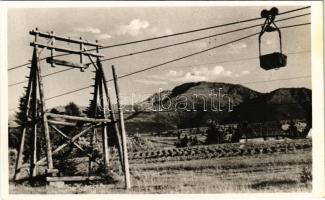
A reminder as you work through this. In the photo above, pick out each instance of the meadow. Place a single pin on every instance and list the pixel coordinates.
(238, 170)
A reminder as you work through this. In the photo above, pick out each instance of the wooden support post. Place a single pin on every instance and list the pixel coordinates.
(81, 49)
(53, 45)
(33, 141)
(33, 144)
(110, 107)
(124, 138)
(19, 161)
(92, 139)
(104, 131)
(103, 82)
(93, 114)
(99, 68)
(45, 122)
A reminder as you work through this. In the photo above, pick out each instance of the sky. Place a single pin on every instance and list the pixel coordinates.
(124, 24)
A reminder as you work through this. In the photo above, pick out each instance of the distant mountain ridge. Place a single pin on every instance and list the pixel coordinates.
(195, 92)
(283, 103)
(246, 105)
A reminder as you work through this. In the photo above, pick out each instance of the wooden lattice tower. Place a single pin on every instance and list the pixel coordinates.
(39, 119)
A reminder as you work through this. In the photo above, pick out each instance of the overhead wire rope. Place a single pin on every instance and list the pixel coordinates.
(194, 40)
(193, 65)
(174, 60)
(171, 45)
(169, 35)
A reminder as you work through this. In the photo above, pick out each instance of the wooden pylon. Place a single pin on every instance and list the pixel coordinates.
(37, 117)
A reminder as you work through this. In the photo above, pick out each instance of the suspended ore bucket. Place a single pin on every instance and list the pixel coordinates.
(273, 60)
(277, 59)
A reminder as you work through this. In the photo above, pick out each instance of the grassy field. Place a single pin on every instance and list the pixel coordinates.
(270, 172)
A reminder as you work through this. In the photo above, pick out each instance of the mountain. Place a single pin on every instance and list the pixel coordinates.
(194, 104)
(189, 105)
(280, 104)
(246, 105)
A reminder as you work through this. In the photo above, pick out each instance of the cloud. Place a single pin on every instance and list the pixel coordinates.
(245, 72)
(242, 45)
(171, 74)
(103, 36)
(191, 77)
(238, 46)
(174, 73)
(156, 31)
(134, 28)
(88, 30)
(179, 76)
(168, 31)
(215, 71)
(242, 73)
(96, 32)
(137, 27)
(199, 74)
(151, 82)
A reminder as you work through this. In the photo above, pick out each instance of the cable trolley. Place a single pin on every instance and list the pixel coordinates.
(273, 60)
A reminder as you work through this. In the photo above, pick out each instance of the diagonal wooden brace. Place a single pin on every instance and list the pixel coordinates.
(74, 143)
(66, 144)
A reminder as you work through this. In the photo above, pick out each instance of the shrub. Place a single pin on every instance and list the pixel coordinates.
(12, 156)
(306, 175)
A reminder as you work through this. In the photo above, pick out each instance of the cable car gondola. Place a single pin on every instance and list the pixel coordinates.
(273, 60)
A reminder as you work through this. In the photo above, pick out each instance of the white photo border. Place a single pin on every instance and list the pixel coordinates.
(318, 140)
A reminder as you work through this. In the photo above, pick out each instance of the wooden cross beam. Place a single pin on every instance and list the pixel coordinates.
(74, 143)
(85, 119)
(62, 38)
(74, 138)
(61, 123)
(66, 50)
(55, 62)
(73, 178)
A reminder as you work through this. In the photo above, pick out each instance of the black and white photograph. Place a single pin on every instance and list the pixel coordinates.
(145, 98)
